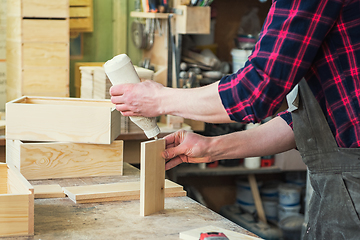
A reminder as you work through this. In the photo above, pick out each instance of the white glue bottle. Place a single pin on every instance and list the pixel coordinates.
(120, 70)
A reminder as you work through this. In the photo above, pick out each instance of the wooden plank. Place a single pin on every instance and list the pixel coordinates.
(152, 177)
(80, 2)
(256, 196)
(65, 160)
(62, 119)
(3, 178)
(43, 30)
(45, 8)
(52, 82)
(47, 54)
(48, 191)
(194, 234)
(123, 191)
(13, 28)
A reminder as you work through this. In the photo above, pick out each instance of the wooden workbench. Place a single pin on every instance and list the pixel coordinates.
(60, 218)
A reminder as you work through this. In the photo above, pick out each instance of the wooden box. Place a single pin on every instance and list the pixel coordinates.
(47, 160)
(193, 20)
(37, 48)
(16, 203)
(62, 119)
(81, 16)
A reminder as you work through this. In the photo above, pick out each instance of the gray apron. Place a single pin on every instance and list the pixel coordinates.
(334, 173)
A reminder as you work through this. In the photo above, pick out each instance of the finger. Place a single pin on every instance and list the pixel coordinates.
(173, 163)
(172, 152)
(170, 139)
(119, 89)
(117, 99)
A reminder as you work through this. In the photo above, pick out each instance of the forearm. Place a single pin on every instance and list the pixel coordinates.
(270, 138)
(203, 104)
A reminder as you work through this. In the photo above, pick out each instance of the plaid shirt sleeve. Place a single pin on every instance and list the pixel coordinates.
(289, 41)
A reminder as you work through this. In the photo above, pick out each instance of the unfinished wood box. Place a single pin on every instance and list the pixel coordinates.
(16, 203)
(62, 119)
(81, 16)
(37, 48)
(193, 20)
(47, 160)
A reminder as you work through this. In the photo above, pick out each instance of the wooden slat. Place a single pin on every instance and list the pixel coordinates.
(152, 176)
(52, 82)
(42, 30)
(81, 23)
(81, 12)
(45, 8)
(48, 191)
(194, 234)
(38, 54)
(80, 2)
(123, 191)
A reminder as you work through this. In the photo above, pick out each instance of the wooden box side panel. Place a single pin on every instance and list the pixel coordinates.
(194, 20)
(3, 178)
(14, 214)
(43, 30)
(13, 8)
(51, 82)
(66, 160)
(115, 124)
(152, 177)
(39, 54)
(51, 122)
(45, 8)
(13, 153)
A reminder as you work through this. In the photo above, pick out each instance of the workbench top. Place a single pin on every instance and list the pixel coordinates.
(60, 218)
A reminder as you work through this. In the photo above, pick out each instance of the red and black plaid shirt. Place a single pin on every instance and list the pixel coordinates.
(315, 39)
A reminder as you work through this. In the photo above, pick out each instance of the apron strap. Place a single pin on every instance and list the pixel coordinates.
(312, 131)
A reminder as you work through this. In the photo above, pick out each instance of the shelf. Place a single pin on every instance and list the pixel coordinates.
(194, 170)
(150, 15)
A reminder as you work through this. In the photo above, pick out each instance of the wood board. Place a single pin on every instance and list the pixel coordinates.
(194, 234)
(48, 191)
(16, 203)
(152, 177)
(62, 119)
(46, 160)
(123, 191)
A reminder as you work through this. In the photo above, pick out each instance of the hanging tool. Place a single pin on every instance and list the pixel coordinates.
(213, 236)
(170, 62)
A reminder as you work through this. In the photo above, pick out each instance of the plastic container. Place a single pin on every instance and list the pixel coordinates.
(286, 211)
(289, 194)
(244, 196)
(291, 227)
(252, 162)
(239, 57)
(270, 192)
(270, 209)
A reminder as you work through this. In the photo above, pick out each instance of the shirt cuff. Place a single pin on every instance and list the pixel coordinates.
(286, 115)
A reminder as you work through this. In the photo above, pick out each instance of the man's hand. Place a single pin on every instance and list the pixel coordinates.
(140, 99)
(183, 146)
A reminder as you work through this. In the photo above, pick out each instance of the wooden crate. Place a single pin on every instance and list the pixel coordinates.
(45, 160)
(62, 119)
(81, 16)
(193, 20)
(37, 48)
(16, 203)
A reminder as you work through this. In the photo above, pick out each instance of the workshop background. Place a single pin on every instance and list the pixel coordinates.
(183, 44)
